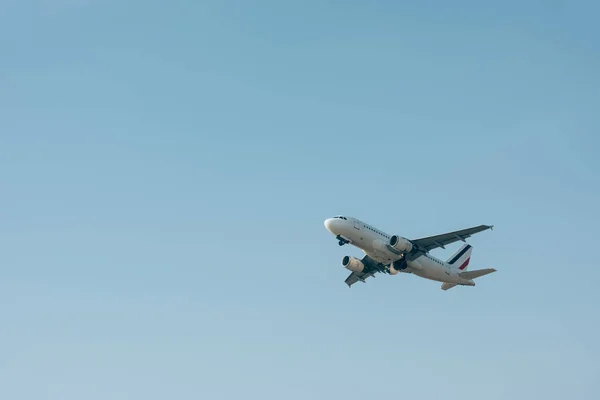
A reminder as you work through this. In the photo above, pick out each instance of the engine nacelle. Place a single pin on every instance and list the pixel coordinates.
(400, 244)
(353, 264)
(392, 270)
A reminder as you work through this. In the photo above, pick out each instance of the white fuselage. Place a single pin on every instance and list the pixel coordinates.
(373, 242)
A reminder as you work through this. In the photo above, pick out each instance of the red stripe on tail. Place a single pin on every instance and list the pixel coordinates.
(464, 265)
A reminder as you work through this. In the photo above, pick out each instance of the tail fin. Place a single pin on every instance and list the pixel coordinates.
(461, 258)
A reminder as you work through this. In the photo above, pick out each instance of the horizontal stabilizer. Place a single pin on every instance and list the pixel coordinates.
(476, 274)
(446, 286)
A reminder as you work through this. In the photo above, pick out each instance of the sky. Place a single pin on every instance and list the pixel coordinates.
(166, 168)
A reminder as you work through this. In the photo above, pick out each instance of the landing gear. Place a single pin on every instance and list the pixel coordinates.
(342, 241)
(400, 265)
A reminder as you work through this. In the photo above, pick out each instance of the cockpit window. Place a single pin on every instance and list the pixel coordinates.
(340, 217)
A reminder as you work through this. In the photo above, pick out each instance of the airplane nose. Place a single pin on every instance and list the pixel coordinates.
(329, 224)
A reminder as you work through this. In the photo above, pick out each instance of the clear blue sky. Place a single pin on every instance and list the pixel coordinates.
(166, 168)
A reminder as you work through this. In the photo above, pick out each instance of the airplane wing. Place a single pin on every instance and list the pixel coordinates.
(356, 277)
(371, 267)
(429, 243)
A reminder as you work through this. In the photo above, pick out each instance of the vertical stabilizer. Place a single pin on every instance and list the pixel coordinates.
(461, 258)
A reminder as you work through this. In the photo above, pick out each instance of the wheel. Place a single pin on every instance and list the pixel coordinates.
(400, 265)
(341, 243)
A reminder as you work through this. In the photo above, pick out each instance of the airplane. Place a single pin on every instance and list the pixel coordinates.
(391, 254)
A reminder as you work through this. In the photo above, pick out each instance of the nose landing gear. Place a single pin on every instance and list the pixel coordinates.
(342, 241)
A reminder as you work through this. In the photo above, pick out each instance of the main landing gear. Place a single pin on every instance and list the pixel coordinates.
(342, 241)
(400, 265)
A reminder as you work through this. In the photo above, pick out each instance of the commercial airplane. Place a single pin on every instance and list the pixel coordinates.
(392, 253)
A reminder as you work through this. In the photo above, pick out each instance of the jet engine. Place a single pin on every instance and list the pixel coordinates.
(400, 244)
(353, 264)
(392, 270)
